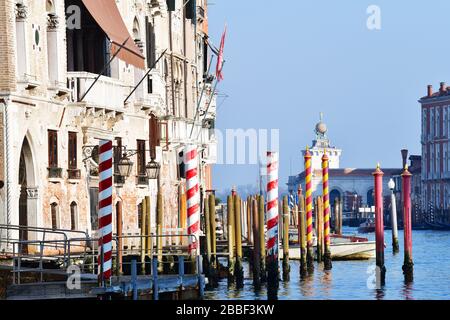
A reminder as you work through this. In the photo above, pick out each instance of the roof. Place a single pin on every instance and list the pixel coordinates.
(352, 172)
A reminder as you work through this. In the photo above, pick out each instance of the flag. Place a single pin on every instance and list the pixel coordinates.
(220, 59)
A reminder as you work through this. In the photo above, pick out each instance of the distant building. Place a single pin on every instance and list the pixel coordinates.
(353, 186)
(435, 152)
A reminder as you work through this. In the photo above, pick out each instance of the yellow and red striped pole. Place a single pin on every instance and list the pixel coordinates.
(326, 212)
(308, 196)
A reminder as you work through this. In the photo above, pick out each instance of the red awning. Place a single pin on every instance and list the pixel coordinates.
(107, 15)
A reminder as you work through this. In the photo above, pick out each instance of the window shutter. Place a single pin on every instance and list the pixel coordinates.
(191, 10)
(170, 5)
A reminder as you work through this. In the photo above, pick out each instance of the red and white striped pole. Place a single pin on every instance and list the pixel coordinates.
(193, 197)
(272, 217)
(105, 208)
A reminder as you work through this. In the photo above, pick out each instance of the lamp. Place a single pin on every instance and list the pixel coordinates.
(391, 184)
(152, 169)
(125, 166)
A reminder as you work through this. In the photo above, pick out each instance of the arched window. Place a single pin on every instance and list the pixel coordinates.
(54, 211)
(73, 216)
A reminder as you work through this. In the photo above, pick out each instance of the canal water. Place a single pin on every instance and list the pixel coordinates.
(353, 280)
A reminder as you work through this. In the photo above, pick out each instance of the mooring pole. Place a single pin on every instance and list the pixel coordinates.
(319, 214)
(208, 239)
(262, 237)
(143, 234)
(379, 226)
(212, 213)
(239, 270)
(309, 224)
(286, 267)
(395, 245)
(326, 213)
(256, 246)
(408, 264)
(230, 223)
(302, 233)
(272, 224)
(159, 221)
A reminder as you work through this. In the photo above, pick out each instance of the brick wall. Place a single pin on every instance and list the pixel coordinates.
(7, 46)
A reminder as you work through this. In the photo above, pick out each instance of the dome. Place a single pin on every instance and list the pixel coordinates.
(321, 128)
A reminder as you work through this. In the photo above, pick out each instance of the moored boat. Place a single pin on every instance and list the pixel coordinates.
(367, 227)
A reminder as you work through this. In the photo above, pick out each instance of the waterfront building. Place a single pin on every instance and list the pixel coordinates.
(51, 53)
(435, 107)
(354, 186)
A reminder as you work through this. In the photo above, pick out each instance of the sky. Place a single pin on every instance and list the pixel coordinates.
(287, 61)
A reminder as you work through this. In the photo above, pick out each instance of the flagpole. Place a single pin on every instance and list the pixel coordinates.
(200, 99)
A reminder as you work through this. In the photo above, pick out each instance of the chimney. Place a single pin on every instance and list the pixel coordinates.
(430, 91)
(442, 87)
(404, 157)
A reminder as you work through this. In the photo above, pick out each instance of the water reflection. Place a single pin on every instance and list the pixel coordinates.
(327, 283)
(307, 286)
(408, 290)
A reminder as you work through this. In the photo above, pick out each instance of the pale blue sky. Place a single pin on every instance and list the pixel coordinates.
(288, 60)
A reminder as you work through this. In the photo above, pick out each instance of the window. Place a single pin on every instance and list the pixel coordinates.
(52, 148)
(141, 163)
(73, 216)
(73, 163)
(55, 215)
(117, 154)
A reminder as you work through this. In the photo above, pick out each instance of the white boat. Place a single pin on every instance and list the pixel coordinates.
(342, 248)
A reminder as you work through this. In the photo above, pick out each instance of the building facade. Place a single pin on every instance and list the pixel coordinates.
(353, 186)
(435, 107)
(54, 110)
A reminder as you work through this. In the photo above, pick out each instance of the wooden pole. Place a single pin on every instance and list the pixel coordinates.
(239, 271)
(143, 233)
(249, 220)
(208, 235)
(159, 223)
(318, 215)
(302, 235)
(231, 242)
(212, 213)
(183, 217)
(119, 225)
(256, 245)
(408, 265)
(262, 237)
(286, 267)
(148, 245)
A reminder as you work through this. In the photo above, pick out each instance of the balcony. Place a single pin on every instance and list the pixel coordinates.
(74, 174)
(54, 173)
(142, 180)
(107, 93)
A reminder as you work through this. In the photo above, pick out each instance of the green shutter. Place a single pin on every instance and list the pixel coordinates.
(170, 5)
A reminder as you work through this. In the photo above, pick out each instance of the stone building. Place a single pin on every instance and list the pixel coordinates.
(51, 53)
(435, 141)
(353, 186)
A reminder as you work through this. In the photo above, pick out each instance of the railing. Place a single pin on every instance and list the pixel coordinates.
(55, 256)
(108, 92)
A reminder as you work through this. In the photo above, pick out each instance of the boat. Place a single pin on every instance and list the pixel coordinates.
(367, 227)
(342, 247)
